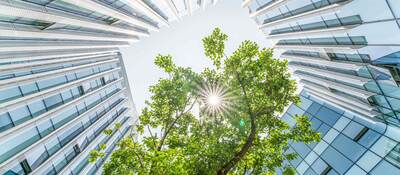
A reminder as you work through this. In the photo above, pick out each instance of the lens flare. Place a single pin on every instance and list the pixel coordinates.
(215, 99)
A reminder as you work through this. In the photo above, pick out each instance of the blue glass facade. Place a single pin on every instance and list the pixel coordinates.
(345, 52)
(351, 144)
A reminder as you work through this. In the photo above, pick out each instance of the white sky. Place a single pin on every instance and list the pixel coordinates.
(182, 40)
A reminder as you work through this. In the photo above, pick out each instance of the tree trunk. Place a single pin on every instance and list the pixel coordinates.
(245, 148)
(250, 139)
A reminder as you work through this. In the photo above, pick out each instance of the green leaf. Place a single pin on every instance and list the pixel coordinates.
(177, 136)
(214, 46)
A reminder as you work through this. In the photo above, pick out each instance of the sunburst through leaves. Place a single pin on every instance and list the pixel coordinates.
(216, 99)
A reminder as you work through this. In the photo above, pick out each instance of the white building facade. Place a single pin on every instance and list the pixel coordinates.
(63, 81)
(346, 55)
(344, 51)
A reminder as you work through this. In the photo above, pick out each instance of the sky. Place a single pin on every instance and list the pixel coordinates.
(182, 40)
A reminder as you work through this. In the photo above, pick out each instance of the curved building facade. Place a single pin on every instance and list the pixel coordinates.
(345, 54)
(63, 81)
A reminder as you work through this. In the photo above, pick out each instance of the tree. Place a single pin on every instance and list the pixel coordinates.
(236, 130)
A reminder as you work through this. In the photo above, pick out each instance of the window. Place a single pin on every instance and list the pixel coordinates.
(319, 166)
(70, 134)
(327, 116)
(5, 122)
(348, 147)
(77, 149)
(323, 129)
(36, 157)
(70, 154)
(20, 115)
(64, 117)
(385, 167)
(60, 163)
(48, 83)
(327, 170)
(66, 96)
(25, 166)
(81, 91)
(93, 84)
(71, 77)
(394, 155)
(81, 108)
(368, 138)
(17, 143)
(75, 92)
(294, 110)
(53, 101)
(313, 109)
(360, 134)
(9, 94)
(353, 129)
(103, 81)
(84, 73)
(52, 145)
(37, 108)
(45, 128)
(336, 160)
(92, 100)
(29, 88)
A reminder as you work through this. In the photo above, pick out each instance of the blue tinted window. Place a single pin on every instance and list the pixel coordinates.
(348, 147)
(37, 108)
(64, 117)
(288, 119)
(323, 129)
(385, 167)
(45, 128)
(53, 145)
(81, 108)
(70, 134)
(92, 100)
(9, 94)
(5, 122)
(47, 83)
(301, 149)
(84, 73)
(305, 103)
(20, 115)
(352, 129)
(66, 96)
(319, 166)
(294, 110)
(369, 138)
(17, 143)
(53, 101)
(327, 116)
(71, 77)
(296, 161)
(313, 109)
(336, 160)
(310, 172)
(315, 123)
(29, 88)
(75, 92)
(334, 108)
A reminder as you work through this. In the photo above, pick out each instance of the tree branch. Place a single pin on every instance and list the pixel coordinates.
(250, 139)
(173, 123)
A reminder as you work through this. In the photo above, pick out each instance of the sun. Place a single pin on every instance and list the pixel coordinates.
(215, 98)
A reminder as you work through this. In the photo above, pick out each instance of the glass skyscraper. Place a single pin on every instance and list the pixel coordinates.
(346, 55)
(343, 51)
(63, 81)
(351, 144)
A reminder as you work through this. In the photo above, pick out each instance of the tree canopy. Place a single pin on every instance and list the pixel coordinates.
(237, 132)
